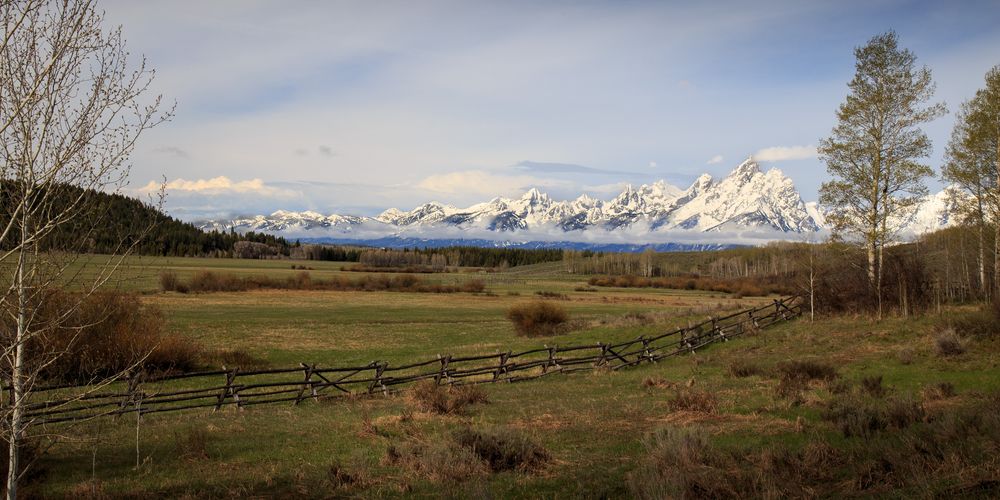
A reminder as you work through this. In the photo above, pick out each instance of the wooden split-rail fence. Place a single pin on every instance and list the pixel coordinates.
(142, 393)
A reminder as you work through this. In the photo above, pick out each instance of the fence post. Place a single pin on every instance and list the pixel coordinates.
(379, 369)
(552, 362)
(717, 330)
(603, 360)
(502, 368)
(132, 397)
(307, 383)
(645, 350)
(443, 372)
(229, 390)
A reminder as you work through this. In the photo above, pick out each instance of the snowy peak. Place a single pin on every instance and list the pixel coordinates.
(747, 200)
(745, 171)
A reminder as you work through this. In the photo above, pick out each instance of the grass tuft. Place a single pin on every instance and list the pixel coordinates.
(692, 400)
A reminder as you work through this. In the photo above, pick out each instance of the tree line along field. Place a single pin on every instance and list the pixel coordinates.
(602, 433)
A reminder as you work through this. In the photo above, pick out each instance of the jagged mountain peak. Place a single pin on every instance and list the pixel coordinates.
(534, 195)
(745, 171)
(745, 200)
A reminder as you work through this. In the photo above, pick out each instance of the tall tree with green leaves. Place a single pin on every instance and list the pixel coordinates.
(872, 154)
(973, 163)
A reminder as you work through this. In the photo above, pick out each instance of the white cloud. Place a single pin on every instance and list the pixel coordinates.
(173, 151)
(216, 186)
(714, 160)
(782, 153)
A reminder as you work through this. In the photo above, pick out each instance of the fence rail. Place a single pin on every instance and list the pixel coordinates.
(144, 393)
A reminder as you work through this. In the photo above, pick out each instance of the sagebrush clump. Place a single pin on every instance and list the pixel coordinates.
(538, 318)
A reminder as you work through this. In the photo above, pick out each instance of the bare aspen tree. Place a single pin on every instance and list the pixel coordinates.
(873, 152)
(973, 164)
(72, 105)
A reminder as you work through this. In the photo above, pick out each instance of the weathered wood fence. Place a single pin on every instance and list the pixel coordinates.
(144, 393)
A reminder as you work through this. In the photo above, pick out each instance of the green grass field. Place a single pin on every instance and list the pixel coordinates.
(593, 425)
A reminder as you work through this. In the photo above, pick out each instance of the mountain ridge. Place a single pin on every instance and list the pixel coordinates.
(747, 206)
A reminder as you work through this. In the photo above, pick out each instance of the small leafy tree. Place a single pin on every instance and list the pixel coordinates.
(872, 154)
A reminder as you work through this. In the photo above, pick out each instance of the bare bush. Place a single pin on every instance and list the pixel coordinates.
(938, 391)
(873, 386)
(795, 376)
(169, 281)
(857, 415)
(433, 398)
(539, 318)
(437, 460)
(503, 449)
(948, 343)
(106, 333)
(680, 463)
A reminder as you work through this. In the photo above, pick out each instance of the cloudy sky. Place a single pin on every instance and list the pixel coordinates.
(356, 106)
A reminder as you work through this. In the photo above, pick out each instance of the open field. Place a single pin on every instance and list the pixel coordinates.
(594, 426)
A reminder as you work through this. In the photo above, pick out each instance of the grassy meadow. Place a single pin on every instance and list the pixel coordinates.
(740, 401)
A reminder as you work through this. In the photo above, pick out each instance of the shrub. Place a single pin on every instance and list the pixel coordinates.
(984, 323)
(679, 464)
(940, 390)
(537, 318)
(864, 417)
(692, 400)
(807, 370)
(433, 398)
(794, 376)
(503, 449)
(169, 281)
(437, 460)
(873, 386)
(209, 281)
(105, 334)
(474, 286)
(905, 356)
(948, 343)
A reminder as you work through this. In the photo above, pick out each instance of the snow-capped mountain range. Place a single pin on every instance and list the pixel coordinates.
(748, 206)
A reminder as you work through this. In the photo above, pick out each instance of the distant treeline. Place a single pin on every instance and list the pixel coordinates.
(776, 259)
(113, 223)
(942, 267)
(435, 258)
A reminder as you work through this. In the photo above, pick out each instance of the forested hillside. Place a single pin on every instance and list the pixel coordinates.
(111, 222)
